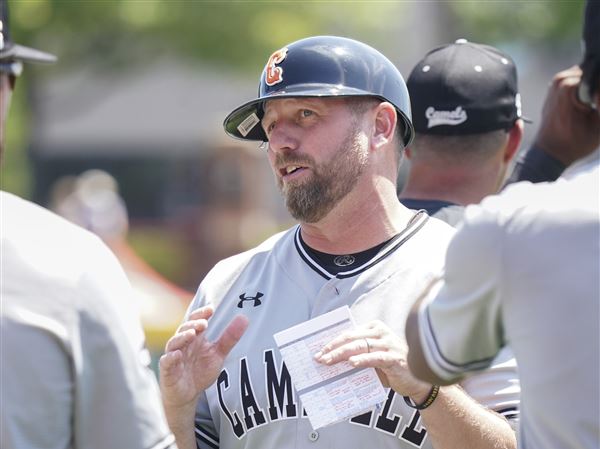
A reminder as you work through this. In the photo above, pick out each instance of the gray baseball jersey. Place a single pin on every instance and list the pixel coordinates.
(523, 271)
(253, 404)
(73, 372)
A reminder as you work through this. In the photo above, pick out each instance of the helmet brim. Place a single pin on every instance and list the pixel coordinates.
(250, 113)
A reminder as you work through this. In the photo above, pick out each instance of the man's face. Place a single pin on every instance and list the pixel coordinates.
(317, 152)
(5, 95)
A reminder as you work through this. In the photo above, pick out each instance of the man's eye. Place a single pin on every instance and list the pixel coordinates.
(306, 113)
(270, 126)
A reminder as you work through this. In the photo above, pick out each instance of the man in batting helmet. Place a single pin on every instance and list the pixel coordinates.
(335, 114)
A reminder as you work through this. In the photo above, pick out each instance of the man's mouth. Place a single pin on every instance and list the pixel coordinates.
(290, 170)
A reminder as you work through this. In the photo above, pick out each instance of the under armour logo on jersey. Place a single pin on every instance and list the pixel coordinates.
(256, 299)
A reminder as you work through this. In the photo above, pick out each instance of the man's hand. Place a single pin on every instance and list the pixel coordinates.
(375, 345)
(190, 365)
(569, 129)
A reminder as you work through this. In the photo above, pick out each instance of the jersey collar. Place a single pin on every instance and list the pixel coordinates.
(413, 226)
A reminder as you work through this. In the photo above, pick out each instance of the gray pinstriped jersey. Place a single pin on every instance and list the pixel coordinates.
(252, 404)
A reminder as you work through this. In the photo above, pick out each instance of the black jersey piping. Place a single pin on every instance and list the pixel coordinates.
(306, 258)
(414, 225)
(453, 367)
(206, 437)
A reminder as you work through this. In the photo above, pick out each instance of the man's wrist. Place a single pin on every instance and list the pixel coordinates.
(180, 417)
(423, 402)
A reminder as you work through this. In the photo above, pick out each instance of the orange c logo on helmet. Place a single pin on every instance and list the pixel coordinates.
(274, 74)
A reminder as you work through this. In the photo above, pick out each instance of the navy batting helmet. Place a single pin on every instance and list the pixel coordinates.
(323, 66)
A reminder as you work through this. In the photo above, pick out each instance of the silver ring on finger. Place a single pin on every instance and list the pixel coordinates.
(368, 345)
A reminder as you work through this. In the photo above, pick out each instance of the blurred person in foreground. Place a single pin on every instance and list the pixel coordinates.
(73, 369)
(334, 114)
(522, 271)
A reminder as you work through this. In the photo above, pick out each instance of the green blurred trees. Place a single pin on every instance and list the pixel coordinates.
(232, 33)
(235, 33)
(514, 20)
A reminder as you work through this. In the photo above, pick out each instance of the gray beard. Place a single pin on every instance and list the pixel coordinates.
(311, 200)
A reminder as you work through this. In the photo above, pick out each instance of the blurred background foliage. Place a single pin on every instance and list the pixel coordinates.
(234, 33)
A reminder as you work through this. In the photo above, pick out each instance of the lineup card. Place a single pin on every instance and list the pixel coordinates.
(333, 393)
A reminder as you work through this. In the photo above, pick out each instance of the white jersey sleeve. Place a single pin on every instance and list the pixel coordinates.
(461, 330)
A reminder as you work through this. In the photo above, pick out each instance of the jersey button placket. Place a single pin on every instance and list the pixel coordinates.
(313, 436)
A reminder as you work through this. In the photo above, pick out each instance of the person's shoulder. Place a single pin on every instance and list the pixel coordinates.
(23, 220)
(587, 166)
(54, 265)
(452, 214)
(576, 190)
(47, 241)
(262, 249)
(430, 239)
(437, 229)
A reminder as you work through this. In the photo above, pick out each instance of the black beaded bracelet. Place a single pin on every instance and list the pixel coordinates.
(427, 402)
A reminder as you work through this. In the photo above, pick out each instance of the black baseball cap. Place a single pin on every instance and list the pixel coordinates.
(464, 88)
(11, 53)
(590, 66)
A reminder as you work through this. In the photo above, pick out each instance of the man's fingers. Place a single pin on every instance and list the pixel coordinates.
(180, 340)
(349, 337)
(351, 348)
(202, 313)
(232, 334)
(370, 330)
(199, 326)
(169, 363)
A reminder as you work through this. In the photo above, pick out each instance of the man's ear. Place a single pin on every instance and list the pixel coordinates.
(515, 135)
(385, 124)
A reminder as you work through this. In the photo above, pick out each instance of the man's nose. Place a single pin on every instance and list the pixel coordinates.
(282, 138)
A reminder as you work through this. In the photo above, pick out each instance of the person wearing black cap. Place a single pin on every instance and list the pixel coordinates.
(73, 369)
(468, 125)
(467, 117)
(522, 271)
